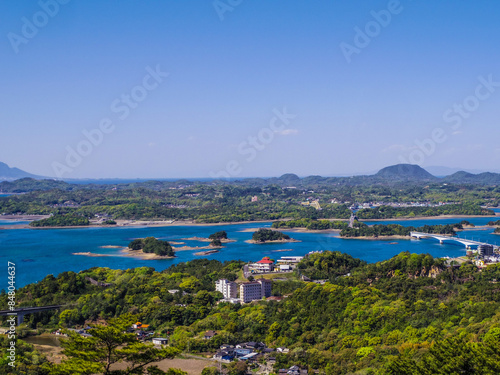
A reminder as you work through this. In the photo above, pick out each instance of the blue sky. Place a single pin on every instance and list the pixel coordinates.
(232, 66)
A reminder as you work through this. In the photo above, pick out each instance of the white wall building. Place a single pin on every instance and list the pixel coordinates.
(255, 290)
(228, 288)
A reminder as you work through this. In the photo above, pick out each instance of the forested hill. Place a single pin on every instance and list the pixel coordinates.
(405, 172)
(409, 313)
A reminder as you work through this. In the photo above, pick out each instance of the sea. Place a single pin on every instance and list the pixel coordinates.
(37, 253)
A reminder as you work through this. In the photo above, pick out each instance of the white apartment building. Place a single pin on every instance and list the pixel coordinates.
(227, 288)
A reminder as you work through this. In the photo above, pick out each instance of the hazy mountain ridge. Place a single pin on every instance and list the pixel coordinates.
(8, 174)
(17, 180)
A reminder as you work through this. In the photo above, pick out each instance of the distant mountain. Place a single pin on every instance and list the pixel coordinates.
(486, 178)
(446, 171)
(24, 185)
(8, 174)
(404, 172)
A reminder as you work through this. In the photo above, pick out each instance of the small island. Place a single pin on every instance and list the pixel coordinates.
(496, 231)
(216, 239)
(58, 220)
(145, 247)
(264, 235)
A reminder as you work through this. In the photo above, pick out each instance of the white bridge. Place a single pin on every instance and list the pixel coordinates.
(467, 243)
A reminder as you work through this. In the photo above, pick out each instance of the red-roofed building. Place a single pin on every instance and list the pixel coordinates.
(263, 265)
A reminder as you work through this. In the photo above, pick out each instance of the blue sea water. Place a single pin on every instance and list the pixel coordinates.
(12, 222)
(39, 252)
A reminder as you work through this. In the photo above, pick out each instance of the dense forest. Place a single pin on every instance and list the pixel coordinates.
(409, 313)
(61, 221)
(152, 245)
(380, 230)
(220, 235)
(312, 224)
(265, 235)
(388, 212)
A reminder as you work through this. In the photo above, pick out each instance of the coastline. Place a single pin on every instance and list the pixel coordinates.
(202, 239)
(123, 224)
(274, 241)
(125, 252)
(395, 237)
(187, 248)
(142, 255)
(431, 217)
(141, 223)
(305, 230)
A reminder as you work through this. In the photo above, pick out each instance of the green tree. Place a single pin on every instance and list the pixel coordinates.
(110, 344)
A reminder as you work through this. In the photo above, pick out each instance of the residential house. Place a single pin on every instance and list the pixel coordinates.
(160, 341)
(209, 334)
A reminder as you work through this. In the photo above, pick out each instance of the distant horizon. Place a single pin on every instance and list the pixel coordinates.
(354, 174)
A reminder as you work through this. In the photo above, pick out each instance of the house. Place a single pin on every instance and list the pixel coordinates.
(160, 341)
(139, 325)
(224, 355)
(209, 334)
(241, 352)
(254, 345)
(285, 268)
(290, 260)
(249, 357)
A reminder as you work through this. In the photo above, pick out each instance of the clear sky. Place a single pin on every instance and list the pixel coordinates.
(254, 88)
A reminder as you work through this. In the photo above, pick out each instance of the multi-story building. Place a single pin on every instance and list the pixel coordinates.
(264, 265)
(485, 250)
(227, 288)
(250, 291)
(265, 286)
(255, 290)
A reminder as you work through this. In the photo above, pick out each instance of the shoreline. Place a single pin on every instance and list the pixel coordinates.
(140, 223)
(145, 256)
(431, 217)
(274, 241)
(379, 238)
(203, 239)
(209, 252)
(126, 224)
(189, 248)
(305, 230)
